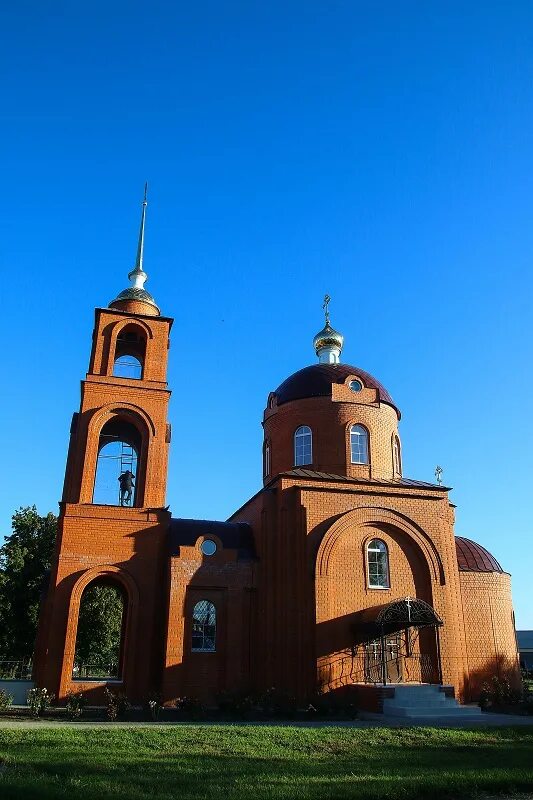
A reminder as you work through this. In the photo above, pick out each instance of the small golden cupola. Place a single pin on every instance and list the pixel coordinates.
(135, 299)
(328, 342)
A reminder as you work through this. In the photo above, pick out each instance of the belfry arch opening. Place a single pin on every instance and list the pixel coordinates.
(117, 480)
(100, 632)
(130, 353)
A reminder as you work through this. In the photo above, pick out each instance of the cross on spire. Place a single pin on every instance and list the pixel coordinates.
(327, 300)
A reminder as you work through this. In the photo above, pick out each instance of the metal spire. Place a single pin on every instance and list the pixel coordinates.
(138, 276)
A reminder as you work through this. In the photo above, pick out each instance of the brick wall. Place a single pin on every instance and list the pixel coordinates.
(330, 420)
(489, 625)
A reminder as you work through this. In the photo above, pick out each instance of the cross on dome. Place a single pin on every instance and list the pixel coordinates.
(328, 342)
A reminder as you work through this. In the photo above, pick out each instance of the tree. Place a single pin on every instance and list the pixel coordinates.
(25, 560)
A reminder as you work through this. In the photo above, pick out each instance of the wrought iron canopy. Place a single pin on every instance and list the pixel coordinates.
(372, 623)
(408, 613)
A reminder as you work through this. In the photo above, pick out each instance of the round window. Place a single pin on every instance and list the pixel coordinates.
(208, 547)
(356, 386)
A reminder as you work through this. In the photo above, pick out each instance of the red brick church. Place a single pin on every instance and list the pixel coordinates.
(340, 571)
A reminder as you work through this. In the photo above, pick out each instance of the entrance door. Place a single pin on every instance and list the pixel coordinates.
(393, 660)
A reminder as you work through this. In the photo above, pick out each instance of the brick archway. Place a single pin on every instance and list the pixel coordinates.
(127, 584)
(363, 516)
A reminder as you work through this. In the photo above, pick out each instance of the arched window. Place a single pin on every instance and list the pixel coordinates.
(130, 352)
(116, 470)
(266, 459)
(397, 454)
(204, 627)
(303, 446)
(128, 367)
(98, 653)
(358, 444)
(377, 562)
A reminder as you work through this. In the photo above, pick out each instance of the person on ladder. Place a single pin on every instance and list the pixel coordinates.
(126, 487)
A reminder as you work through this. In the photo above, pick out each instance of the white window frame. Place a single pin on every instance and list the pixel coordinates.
(359, 444)
(303, 446)
(266, 464)
(397, 454)
(382, 549)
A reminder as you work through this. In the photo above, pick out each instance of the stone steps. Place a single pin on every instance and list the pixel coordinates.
(428, 702)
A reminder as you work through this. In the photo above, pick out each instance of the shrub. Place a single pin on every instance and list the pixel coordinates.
(153, 706)
(118, 705)
(38, 701)
(75, 704)
(190, 707)
(278, 703)
(5, 700)
(331, 704)
(239, 704)
(499, 692)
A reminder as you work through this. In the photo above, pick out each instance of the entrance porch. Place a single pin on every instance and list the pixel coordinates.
(395, 644)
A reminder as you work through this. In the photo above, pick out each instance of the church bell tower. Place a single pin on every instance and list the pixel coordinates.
(113, 522)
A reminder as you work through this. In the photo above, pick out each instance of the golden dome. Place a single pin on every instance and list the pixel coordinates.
(328, 337)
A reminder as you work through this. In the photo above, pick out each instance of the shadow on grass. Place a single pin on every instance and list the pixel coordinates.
(192, 763)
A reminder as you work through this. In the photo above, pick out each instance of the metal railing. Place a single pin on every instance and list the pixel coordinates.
(351, 667)
(16, 670)
(95, 672)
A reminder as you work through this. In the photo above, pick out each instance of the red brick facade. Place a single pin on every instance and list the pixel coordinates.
(290, 576)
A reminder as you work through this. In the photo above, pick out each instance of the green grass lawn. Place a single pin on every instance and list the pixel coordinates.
(257, 762)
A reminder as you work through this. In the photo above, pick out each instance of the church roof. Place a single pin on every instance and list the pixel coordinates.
(472, 557)
(316, 381)
(309, 474)
(233, 535)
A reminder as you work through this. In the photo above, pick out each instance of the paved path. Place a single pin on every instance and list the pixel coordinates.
(365, 721)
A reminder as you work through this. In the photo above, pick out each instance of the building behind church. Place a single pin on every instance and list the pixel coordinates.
(339, 574)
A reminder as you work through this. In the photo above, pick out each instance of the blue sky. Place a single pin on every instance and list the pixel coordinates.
(377, 151)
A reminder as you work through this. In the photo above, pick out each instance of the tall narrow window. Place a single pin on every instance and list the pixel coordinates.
(303, 446)
(266, 459)
(397, 456)
(204, 627)
(358, 444)
(377, 561)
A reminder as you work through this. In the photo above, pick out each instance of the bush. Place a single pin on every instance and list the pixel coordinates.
(190, 707)
(499, 692)
(118, 705)
(153, 706)
(238, 704)
(330, 704)
(278, 703)
(5, 700)
(75, 704)
(38, 701)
